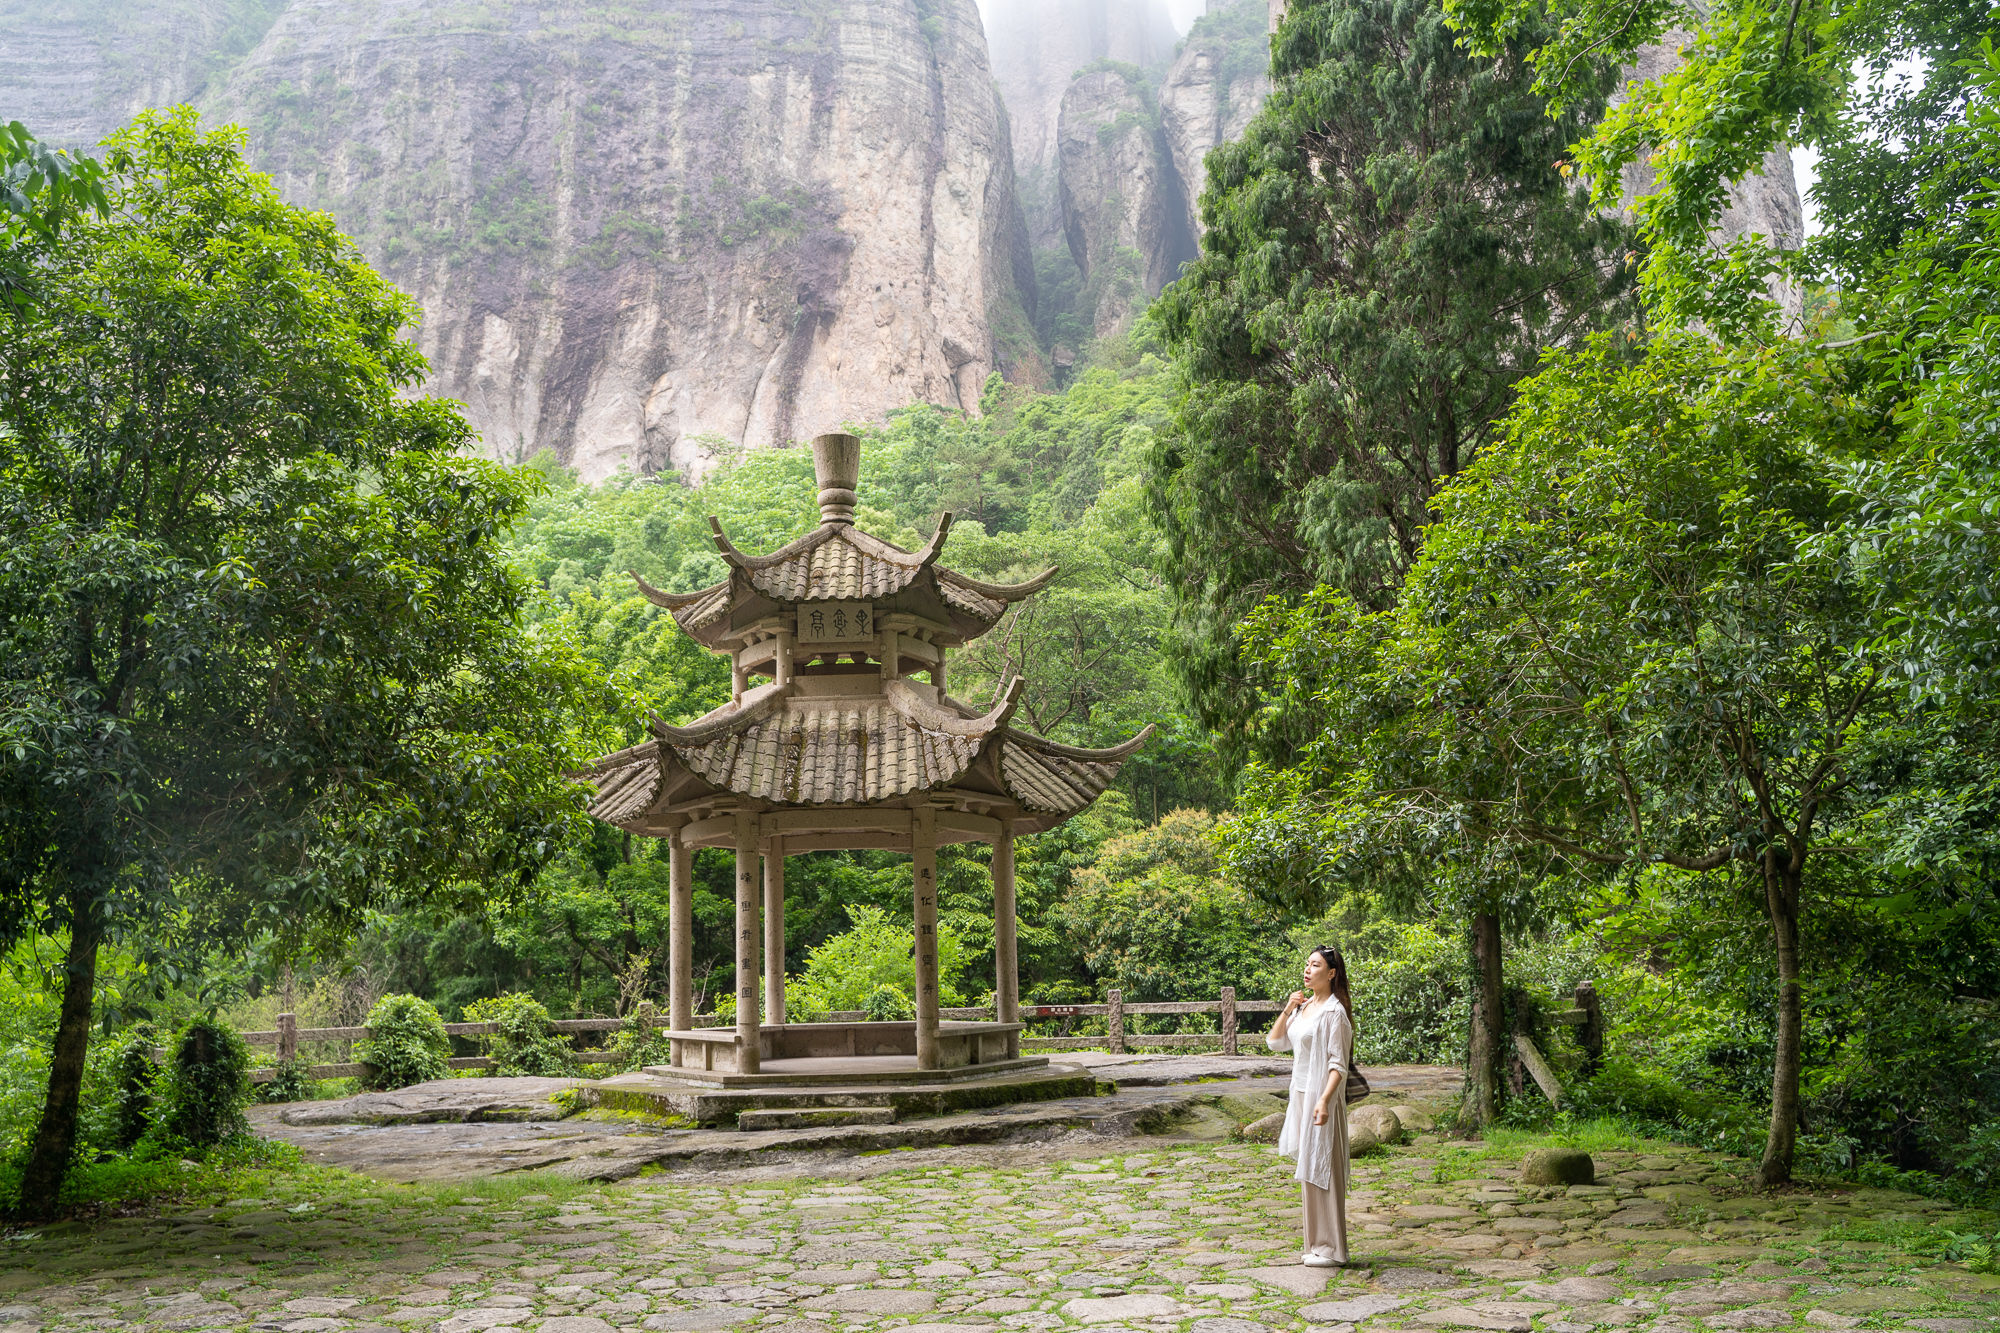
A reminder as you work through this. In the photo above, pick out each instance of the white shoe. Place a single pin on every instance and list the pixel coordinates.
(1317, 1259)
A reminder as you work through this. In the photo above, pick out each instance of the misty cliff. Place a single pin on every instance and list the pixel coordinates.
(642, 232)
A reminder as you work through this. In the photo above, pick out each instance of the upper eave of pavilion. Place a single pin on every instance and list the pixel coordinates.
(778, 749)
(837, 562)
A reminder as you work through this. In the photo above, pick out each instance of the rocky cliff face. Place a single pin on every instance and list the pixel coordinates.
(1124, 216)
(1215, 85)
(75, 70)
(644, 234)
(1038, 48)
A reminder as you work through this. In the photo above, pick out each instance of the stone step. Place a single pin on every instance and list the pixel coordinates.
(816, 1118)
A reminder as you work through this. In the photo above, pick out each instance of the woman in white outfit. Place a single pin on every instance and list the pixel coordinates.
(1318, 1028)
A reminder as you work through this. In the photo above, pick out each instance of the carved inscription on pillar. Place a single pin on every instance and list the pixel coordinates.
(836, 622)
(927, 945)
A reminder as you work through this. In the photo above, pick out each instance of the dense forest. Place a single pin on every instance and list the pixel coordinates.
(1528, 591)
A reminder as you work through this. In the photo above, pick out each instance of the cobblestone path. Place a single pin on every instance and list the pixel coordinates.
(1161, 1237)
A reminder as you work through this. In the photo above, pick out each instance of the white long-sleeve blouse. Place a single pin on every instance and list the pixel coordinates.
(1321, 1043)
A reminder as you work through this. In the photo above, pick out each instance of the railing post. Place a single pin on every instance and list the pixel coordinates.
(1114, 1021)
(1590, 1036)
(1229, 1020)
(648, 1019)
(288, 1037)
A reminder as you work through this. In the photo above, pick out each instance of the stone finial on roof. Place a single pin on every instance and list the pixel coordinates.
(837, 464)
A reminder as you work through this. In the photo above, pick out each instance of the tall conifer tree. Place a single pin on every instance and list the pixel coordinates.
(1390, 249)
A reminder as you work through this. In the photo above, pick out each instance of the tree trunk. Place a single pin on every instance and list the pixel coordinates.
(55, 1138)
(1482, 1071)
(1781, 890)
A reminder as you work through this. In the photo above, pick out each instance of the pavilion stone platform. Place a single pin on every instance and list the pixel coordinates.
(840, 734)
(828, 1091)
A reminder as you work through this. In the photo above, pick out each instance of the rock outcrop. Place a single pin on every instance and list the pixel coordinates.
(1124, 216)
(1038, 47)
(644, 236)
(1215, 85)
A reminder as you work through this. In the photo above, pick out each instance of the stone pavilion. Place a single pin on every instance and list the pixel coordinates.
(841, 733)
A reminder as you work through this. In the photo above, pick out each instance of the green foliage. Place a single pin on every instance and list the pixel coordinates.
(40, 188)
(134, 1075)
(1390, 249)
(641, 1046)
(1753, 78)
(847, 970)
(1152, 917)
(524, 1042)
(889, 1004)
(406, 1043)
(243, 1167)
(202, 1091)
(289, 1082)
(262, 665)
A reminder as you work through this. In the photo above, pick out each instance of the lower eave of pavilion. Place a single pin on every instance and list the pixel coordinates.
(884, 761)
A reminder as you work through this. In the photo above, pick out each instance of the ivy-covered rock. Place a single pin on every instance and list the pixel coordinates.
(206, 1084)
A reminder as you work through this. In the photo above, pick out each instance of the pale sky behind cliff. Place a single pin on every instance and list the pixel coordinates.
(1183, 12)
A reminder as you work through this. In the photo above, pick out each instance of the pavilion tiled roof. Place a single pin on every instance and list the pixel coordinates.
(837, 562)
(790, 751)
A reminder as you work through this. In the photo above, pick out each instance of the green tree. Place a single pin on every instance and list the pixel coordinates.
(875, 952)
(1624, 648)
(1880, 90)
(261, 659)
(1153, 918)
(40, 189)
(1390, 248)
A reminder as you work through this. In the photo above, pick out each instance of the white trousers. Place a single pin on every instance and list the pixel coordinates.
(1326, 1217)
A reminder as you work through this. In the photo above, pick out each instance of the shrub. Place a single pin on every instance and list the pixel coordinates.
(524, 1041)
(888, 1004)
(639, 1046)
(133, 1074)
(207, 1082)
(289, 1082)
(406, 1043)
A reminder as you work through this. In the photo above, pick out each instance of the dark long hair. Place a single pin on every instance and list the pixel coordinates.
(1332, 958)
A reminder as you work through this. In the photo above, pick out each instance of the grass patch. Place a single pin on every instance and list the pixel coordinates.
(122, 1185)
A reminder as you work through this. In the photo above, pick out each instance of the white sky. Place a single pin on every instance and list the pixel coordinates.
(1183, 12)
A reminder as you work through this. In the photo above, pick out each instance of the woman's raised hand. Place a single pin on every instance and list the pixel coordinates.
(1298, 998)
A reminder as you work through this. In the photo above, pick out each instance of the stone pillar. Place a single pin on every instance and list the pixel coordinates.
(774, 930)
(1006, 940)
(747, 887)
(1228, 1020)
(1114, 1021)
(288, 1037)
(781, 665)
(680, 934)
(923, 855)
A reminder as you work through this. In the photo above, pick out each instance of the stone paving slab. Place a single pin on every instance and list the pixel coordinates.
(1070, 1233)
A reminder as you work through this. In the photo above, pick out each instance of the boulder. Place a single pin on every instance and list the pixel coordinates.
(1243, 1107)
(1264, 1130)
(1558, 1166)
(1414, 1121)
(1381, 1121)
